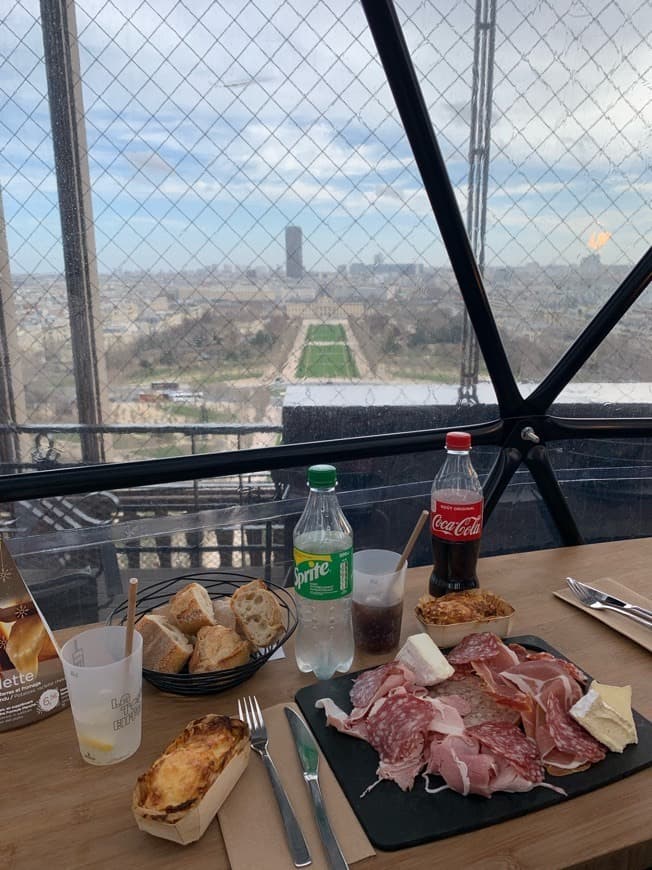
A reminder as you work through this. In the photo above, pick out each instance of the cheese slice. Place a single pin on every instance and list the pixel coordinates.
(606, 713)
(421, 655)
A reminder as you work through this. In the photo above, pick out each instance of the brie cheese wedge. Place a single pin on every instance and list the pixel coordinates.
(423, 657)
(606, 713)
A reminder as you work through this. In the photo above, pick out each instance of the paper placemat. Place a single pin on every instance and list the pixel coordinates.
(251, 825)
(631, 629)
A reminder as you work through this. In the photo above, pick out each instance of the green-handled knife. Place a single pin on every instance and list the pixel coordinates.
(309, 758)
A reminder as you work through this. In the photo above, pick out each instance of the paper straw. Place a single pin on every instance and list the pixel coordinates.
(416, 531)
(131, 615)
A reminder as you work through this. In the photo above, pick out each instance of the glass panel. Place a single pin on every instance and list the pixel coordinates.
(251, 235)
(564, 112)
(616, 381)
(237, 525)
(608, 485)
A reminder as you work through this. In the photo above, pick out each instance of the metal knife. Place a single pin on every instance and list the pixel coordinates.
(309, 758)
(614, 601)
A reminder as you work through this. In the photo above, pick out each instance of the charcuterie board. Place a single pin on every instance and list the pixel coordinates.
(393, 819)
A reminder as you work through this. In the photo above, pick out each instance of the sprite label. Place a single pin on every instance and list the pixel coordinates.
(323, 576)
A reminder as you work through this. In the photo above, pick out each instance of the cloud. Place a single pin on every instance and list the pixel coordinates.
(218, 112)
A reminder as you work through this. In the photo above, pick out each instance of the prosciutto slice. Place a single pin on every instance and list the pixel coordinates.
(467, 767)
(462, 766)
(564, 745)
(509, 743)
(373, 684)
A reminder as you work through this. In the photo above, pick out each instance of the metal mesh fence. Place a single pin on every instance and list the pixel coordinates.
(210, 128)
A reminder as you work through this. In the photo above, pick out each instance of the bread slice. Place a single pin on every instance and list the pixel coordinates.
(223, 613)
(178, 797)
(165, 648)
(258, 614)
(218, 648)
(191, 608)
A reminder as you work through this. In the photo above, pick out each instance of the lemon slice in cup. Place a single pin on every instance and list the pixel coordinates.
(88, 742)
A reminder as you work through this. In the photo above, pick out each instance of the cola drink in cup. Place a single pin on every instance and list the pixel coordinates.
(456, 508)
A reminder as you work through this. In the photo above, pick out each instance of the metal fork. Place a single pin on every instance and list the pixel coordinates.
(589, 599)
(249, 711)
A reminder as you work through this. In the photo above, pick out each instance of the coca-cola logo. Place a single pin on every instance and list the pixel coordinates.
(456, 522)
(469, 527)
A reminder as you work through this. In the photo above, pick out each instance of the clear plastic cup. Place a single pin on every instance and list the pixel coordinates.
(105, 690)
(377, 600)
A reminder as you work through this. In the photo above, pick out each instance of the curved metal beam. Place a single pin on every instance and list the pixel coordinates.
(67, 481)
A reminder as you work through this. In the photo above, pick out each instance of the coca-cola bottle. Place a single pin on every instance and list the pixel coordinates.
(455, 519)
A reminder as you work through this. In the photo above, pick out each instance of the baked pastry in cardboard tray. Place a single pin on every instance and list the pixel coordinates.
(178, 797)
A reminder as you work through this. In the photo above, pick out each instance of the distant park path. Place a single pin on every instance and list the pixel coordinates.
(333, 334)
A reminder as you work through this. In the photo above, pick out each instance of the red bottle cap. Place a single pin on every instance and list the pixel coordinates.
(458, 441)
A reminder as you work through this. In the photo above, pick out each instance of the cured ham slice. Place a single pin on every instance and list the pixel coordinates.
(509, 742)
(458, 760)
(337, 718)
(503, 691)
(532, 655)
(468, 768)
(535, 677)
(375, 683)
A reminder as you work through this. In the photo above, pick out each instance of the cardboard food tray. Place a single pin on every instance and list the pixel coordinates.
(393, 819)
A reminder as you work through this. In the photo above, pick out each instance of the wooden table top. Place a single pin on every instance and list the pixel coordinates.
(59, 811)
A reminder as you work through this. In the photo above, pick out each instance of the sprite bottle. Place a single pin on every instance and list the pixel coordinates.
(323, 579)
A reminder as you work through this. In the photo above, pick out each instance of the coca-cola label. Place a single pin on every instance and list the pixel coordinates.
(456, 522)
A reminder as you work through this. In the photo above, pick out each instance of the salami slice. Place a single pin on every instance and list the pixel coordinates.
(510, 743)
(476, 648)
(367, 684)
(397, 727)
(568, 735)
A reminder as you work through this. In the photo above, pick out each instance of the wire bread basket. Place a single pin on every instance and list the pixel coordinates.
(218, 584)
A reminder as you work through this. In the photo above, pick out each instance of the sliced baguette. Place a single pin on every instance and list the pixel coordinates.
(191, 608)
(165, 648)
(218, 648)
(258, 614)
(223, 613)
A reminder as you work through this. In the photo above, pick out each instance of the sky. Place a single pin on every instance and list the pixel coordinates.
(213, 125)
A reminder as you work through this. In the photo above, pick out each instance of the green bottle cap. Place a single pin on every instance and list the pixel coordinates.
(322, 475)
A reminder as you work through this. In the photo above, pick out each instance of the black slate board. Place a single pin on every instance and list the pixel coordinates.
(393, 819)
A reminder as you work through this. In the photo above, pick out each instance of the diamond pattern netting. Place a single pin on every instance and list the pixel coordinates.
(211, 126)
